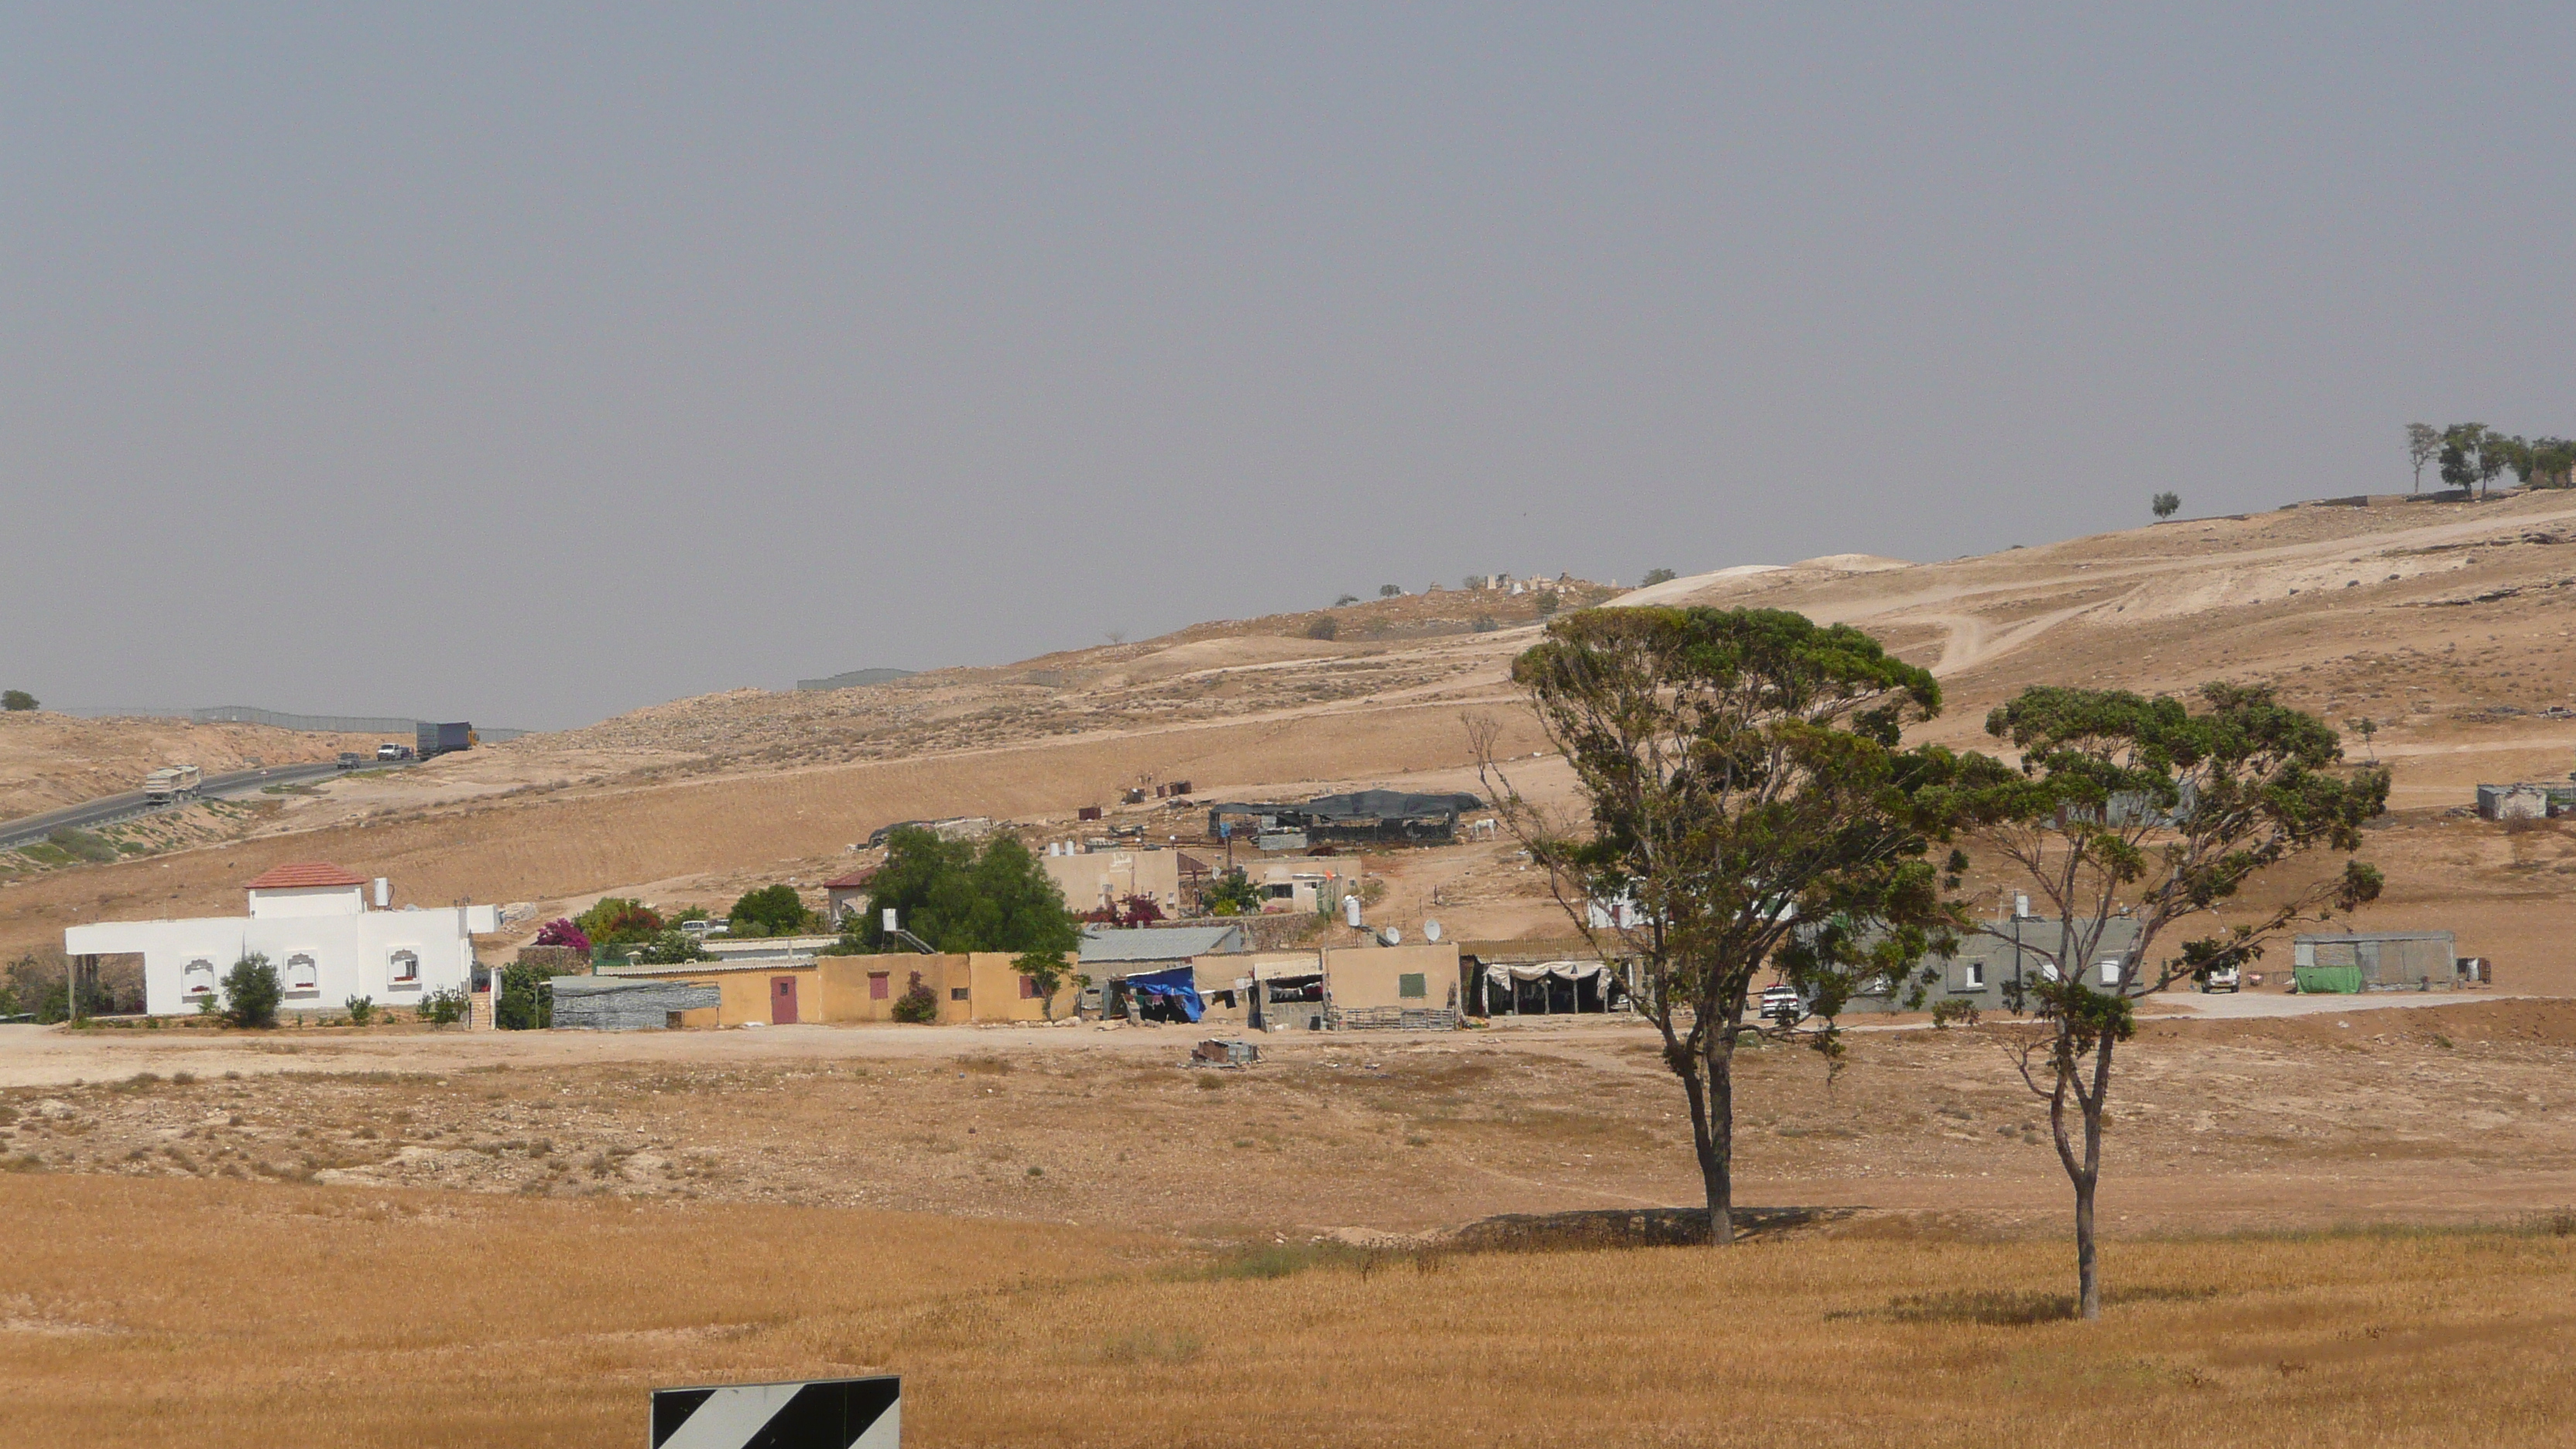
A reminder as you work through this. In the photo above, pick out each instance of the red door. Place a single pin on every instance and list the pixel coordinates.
(782, 1001)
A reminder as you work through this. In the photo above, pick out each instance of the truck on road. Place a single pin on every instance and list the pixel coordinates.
(173, 782)
(431, 740)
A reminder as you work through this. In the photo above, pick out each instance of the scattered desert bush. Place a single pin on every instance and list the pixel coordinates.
(362, 1010)
(82, 845)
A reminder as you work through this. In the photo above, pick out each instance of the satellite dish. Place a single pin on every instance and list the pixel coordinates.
(1431, 930)
(1390, 936)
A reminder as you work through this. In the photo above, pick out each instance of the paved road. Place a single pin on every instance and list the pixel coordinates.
(109, 809)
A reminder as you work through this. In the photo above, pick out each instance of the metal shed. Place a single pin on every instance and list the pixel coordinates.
(2388, 960)
(604, 1003)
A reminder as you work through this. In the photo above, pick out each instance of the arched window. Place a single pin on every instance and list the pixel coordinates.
(301, 974)
(197, 978)
(406, 968)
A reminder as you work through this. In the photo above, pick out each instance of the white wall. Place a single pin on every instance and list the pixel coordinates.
(300, 901)
(352, 955)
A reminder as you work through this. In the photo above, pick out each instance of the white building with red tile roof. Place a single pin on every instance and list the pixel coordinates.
(316, 924)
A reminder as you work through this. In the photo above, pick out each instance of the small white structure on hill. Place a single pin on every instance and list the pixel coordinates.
(312, 922)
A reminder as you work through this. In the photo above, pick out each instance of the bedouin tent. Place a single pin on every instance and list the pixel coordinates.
(1177, 988)
(1548, 988)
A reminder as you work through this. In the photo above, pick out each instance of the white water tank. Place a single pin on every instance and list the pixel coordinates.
(384, 893)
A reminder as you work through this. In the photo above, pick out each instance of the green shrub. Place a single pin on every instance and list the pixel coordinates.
(1658, 576)
(252, 992)
(443, 1007)
(918, 1005)
(522, 1006)
(1485, 624)
(1952, 1009)
(1323, 627)
(362, 1010)
(15, 700)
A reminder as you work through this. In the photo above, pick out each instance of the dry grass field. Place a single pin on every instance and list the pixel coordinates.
(157, 1312)
(2449, 1114)
(2344, 1229)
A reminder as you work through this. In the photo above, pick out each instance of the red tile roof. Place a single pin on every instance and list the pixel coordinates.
(304, 873)
(852, 881)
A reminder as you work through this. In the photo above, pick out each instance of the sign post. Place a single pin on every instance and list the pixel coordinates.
(815, 1414)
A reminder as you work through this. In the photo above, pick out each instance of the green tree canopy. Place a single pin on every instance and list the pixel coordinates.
(772, 910)
(2165, 505)
(15, 700)
(959, 898)
(1747, 794)
(617, 921)
(2125, 807)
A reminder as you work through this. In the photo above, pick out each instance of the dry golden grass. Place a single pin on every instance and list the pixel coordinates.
(163, 1312)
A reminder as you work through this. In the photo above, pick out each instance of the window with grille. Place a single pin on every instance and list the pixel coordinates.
(405, 968)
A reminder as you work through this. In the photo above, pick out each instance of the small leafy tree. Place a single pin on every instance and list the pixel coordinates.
(1658, 576)
(362, 1010)
(772, 910)
(1485, 624)
(2552, 463)
(2365, 727)
(960, 899)
(2457, 460)
(1345, 600)
(1323, 627)
(16, 700)
(1230, 894)
(1047, 972)
(2423, 445)
(2166, 505)
(2127, 807)
(1547, 602)
(615, 921)
(522, 1004)
(444, 1007)
(1390, 591)
(252, 992)
(1747, 795)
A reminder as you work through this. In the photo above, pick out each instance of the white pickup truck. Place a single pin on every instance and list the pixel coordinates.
(173, 782)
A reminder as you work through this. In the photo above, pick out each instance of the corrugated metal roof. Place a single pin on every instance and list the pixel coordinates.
(1149, 943)
(303, 873)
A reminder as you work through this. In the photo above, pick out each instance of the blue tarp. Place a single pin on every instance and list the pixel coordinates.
(1180, 985)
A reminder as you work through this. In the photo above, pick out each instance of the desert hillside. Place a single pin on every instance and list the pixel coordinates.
(2436, 620)
(49, 759)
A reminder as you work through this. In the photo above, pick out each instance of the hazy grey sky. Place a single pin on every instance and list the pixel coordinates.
(527, 364)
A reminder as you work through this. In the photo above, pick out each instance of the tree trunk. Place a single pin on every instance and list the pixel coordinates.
(1714, 1131)
(2088, 1277)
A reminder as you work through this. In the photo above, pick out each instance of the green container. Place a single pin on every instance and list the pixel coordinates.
(2327, 980)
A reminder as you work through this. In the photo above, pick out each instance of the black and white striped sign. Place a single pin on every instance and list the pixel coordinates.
(822, 1414)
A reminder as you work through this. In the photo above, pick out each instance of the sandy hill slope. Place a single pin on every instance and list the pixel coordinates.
(2442, 622)
(51, 759)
